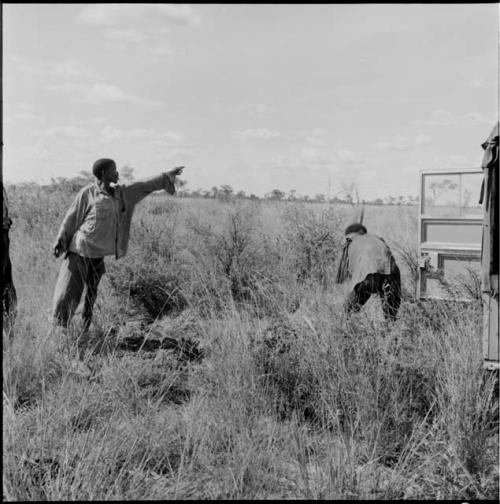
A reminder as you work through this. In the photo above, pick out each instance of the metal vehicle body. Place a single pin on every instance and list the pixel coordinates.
(451, 225)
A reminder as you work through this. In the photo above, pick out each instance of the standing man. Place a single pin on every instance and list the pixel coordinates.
(9, 297)
(97, 224)
(369, 264)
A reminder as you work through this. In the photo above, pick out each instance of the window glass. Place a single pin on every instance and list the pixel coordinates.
(459, 278)
(464, 234)
(452, 195)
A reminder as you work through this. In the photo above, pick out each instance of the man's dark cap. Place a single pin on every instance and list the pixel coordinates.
(355, 228)
(101, 165)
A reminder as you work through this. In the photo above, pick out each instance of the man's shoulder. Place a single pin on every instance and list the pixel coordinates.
(89, 189)
(368, 239)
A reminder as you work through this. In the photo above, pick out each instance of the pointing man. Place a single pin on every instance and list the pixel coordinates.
(96, 225)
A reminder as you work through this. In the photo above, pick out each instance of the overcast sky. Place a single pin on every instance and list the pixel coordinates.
(304, 97)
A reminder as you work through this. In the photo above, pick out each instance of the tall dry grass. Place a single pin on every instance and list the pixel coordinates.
(287, 398)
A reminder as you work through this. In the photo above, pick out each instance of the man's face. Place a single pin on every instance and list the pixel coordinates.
(111, 174)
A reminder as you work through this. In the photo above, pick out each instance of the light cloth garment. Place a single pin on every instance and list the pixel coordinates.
(98, 223)
(369, 266)
(365, 254)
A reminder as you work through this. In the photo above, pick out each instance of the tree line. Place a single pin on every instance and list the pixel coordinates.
(348, 195)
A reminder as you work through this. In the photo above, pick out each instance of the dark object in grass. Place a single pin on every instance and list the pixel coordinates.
(188, 350)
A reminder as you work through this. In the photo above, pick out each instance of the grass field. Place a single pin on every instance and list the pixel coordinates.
(221, 366)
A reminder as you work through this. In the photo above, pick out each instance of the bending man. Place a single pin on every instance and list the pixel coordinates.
(97, 224)
(368, 263)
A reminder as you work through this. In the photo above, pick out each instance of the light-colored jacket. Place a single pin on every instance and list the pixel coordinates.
(98, 223)
(367, 253)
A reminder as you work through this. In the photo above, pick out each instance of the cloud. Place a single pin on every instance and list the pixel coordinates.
(23, 115)
(262, 133)
(249, 109)
(71, 77)
(130, 35)
(456, 161)
(350, 158)
(403, 143)
(105, 15)
(61, 70)
(168, 139)
(445, 118)
(67, 88)
(315, 136)
(119, 23)
(67, 131)
(101, 93)
(110, 134)
(57, 142)
(478, 83)
(422, 139)
(339, 162)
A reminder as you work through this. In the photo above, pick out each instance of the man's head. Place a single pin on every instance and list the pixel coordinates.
(355, 228)
(105, 170)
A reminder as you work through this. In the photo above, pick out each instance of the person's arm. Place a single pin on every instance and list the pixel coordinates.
(71, 222)
(136, 191)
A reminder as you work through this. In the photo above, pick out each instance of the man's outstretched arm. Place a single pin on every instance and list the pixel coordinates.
(136, 191)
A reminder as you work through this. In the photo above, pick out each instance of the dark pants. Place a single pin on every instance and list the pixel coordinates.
(76, 273)
(388, 287)
(9, 297)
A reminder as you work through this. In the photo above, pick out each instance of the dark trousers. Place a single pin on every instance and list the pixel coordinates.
(388, 287)
(76, 274)
(9, 296)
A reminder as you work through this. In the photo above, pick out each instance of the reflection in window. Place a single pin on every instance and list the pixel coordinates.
(453, 195)
(456, 279)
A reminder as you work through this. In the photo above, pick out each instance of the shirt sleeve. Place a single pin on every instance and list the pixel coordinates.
(74, 218)
(135, 192)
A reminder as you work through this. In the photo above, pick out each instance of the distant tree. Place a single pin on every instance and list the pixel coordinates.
(241, 195)
(253, 197)
(127, 173)
(378, 201)
(215, 192)
(277, 194)
(438, 188)
(400, 200)
(225, 192)
(84, 174)
(320, 198)
(292, 195)
(181, 188)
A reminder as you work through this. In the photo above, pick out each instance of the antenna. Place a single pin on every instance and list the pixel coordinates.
(361, 214)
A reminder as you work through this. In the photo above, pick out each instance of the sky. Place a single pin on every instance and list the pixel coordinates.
(310, 98)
